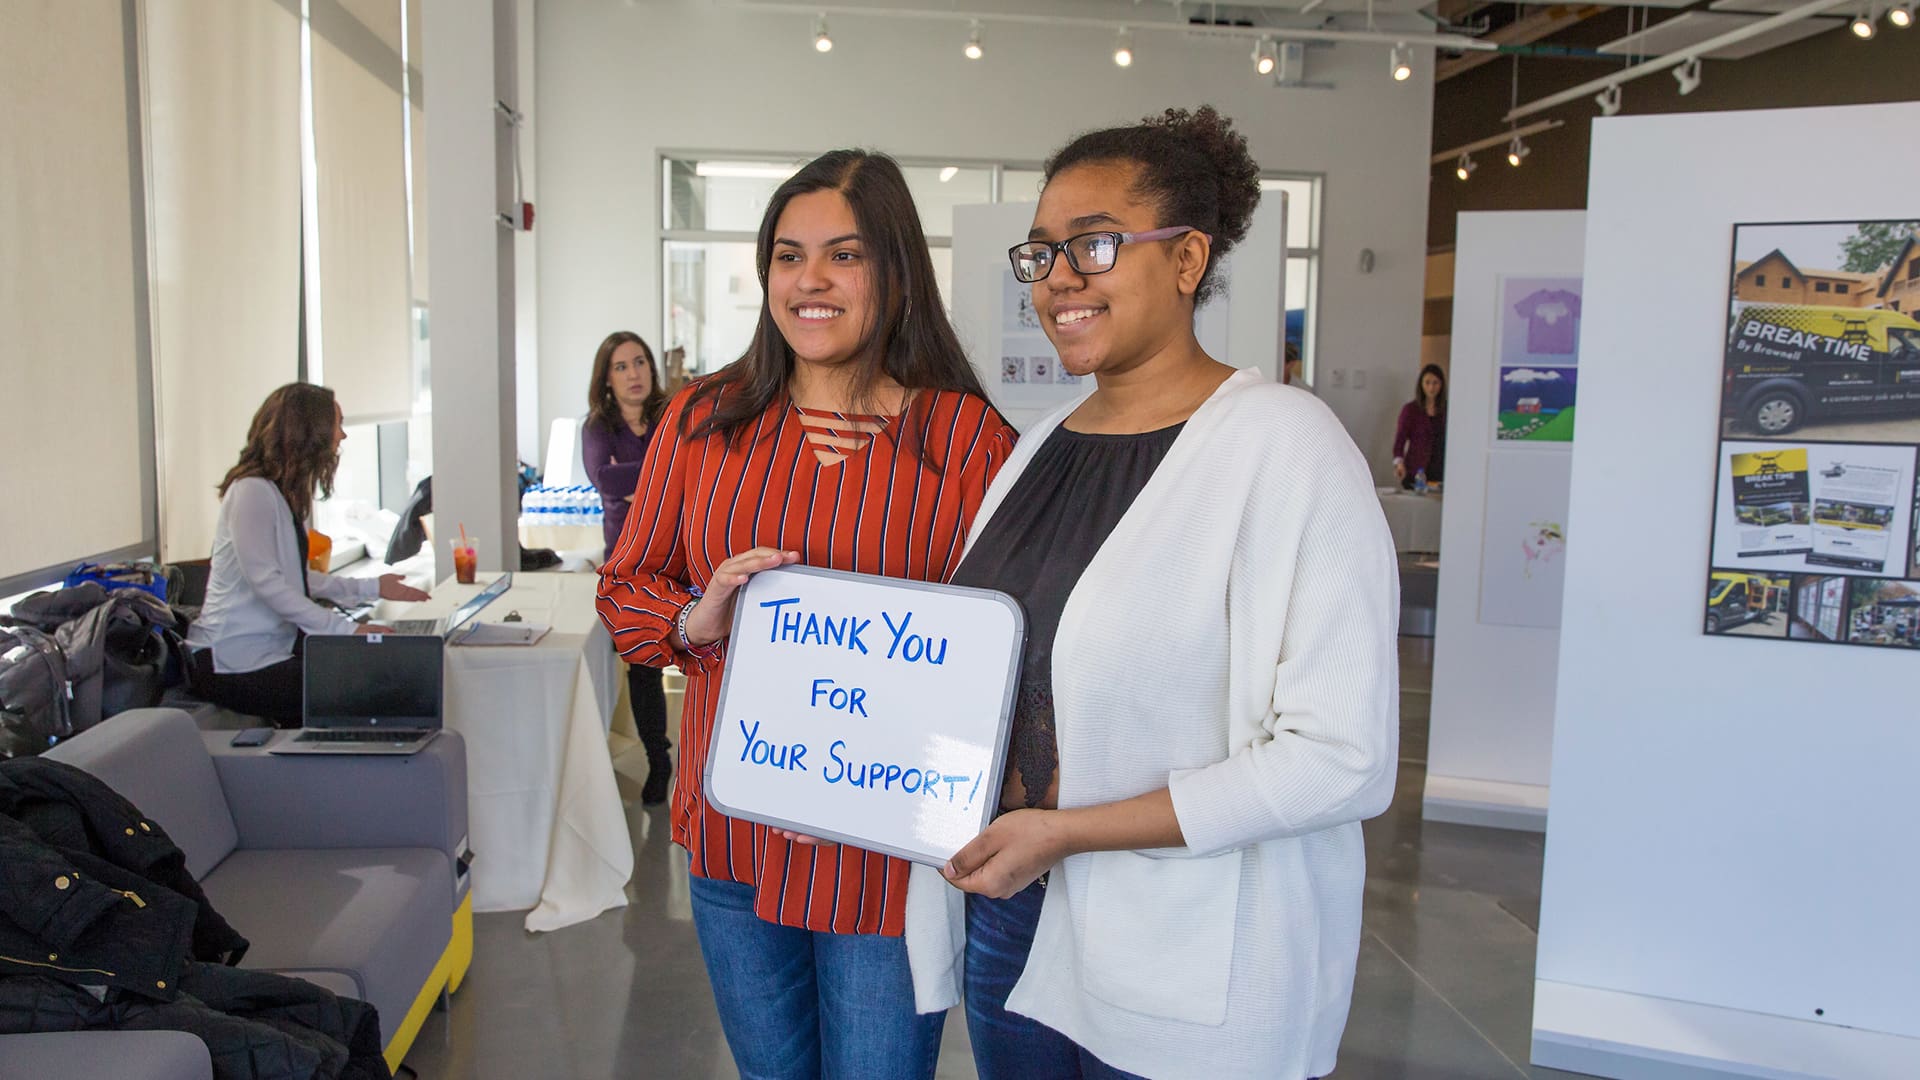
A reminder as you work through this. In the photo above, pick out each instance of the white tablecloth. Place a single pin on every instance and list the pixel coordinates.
(1414, 520)
(547, 828)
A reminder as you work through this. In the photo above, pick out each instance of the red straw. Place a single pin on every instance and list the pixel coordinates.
(464, 542)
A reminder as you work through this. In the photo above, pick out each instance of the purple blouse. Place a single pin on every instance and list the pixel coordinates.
(613, 459)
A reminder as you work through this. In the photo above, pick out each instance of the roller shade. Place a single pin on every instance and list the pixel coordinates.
(72, 379)
(224, 116)
(359, 148)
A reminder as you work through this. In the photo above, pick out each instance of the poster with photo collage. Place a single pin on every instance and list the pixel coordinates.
(1816, 518)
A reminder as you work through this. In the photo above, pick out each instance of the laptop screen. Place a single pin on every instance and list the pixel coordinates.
(373, 681)
(481, 599)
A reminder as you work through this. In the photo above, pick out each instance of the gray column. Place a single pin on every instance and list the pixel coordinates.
(470, 61)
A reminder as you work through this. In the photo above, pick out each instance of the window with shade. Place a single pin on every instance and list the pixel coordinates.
(274, 199)
(75, 385)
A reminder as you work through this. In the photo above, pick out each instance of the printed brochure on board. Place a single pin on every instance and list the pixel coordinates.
(1770, 502)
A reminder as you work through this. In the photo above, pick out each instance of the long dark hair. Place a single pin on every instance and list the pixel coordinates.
(603, 409)
(290, 443)
(907, 338)
(1191, 166)
(1420, 391)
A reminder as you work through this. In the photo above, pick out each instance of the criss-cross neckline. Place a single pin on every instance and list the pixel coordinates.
(836, 436)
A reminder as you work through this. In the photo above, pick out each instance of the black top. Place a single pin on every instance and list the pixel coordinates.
(1040, 540)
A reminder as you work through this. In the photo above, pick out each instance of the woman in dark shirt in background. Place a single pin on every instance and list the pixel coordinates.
(624, 404)
(1420, 438)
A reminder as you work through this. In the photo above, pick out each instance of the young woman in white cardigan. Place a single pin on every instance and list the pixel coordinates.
(261, 598)
(1208, 705)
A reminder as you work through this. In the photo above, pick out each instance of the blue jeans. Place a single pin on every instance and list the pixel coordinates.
(801, 1005)
(1007, 1046)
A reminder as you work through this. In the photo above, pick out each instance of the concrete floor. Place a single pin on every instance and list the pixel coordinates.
(1444, 992)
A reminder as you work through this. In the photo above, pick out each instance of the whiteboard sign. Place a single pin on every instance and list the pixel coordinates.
(866, 710)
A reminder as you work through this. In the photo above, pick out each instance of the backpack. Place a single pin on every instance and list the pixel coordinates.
(35, 692)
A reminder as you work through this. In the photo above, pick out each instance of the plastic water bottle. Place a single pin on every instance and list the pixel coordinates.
(1420, 482)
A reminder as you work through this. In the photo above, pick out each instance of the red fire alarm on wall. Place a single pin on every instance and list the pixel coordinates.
(526, 217)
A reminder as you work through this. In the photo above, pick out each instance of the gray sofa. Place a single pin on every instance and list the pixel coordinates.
(347, 871)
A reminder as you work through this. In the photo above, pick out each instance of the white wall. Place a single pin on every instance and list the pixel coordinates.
(1490, 744)
(619, 84)
(1729, 865)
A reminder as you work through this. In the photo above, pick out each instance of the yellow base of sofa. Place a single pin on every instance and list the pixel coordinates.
(461, 948)
(448, 972)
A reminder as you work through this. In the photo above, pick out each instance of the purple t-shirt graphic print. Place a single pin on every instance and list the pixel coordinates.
(1551, 315)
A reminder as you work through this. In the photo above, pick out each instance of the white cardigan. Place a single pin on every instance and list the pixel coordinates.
(254, 600)
(1234, 640)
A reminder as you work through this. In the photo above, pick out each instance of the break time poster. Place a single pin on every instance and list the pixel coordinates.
(1816, 521)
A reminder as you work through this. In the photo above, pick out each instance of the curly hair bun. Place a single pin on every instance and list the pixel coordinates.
(1236, 175)
(1192, 165)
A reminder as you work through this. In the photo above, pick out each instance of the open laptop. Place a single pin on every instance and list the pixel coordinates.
(460, 615)
(368, 694)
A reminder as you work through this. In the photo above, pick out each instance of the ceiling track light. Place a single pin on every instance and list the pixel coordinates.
(1688, 75)
(1466, 166)
(1609, 100)
(1265, 58)
(822, 41)
(1123, 49)
(973, 51)
(1399, 62)
(1862, 26)
(1900, 16)
(1517, 151)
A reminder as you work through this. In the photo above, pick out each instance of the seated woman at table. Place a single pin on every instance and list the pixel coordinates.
(1207, 704)
(624, 402)
(261, 598)
(852, 435)
(1420, 438)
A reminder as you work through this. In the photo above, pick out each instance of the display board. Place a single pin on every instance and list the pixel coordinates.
(1816, 513)
(866, 710)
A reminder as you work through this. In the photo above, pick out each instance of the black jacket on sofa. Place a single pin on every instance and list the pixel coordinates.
(102, 927)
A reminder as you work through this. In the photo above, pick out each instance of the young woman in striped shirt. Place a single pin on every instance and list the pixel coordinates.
(852, 435)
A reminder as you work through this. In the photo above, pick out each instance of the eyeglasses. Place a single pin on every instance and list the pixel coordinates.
(1088, 254)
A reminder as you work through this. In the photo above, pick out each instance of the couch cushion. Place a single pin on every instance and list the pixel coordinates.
(123, 1055)
(381, 916)
(154, 758)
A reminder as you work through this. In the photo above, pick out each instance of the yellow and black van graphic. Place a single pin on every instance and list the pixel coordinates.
(1788, 364)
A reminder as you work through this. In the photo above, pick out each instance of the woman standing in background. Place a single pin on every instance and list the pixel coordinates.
(1420, 438)
(624, 402)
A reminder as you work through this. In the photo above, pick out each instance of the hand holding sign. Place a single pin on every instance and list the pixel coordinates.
(1010, 855)
(712, 617)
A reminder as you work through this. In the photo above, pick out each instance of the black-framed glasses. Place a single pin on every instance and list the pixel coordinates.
(1088, 254)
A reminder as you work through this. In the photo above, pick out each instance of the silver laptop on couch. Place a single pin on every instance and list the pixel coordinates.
(368, 694)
